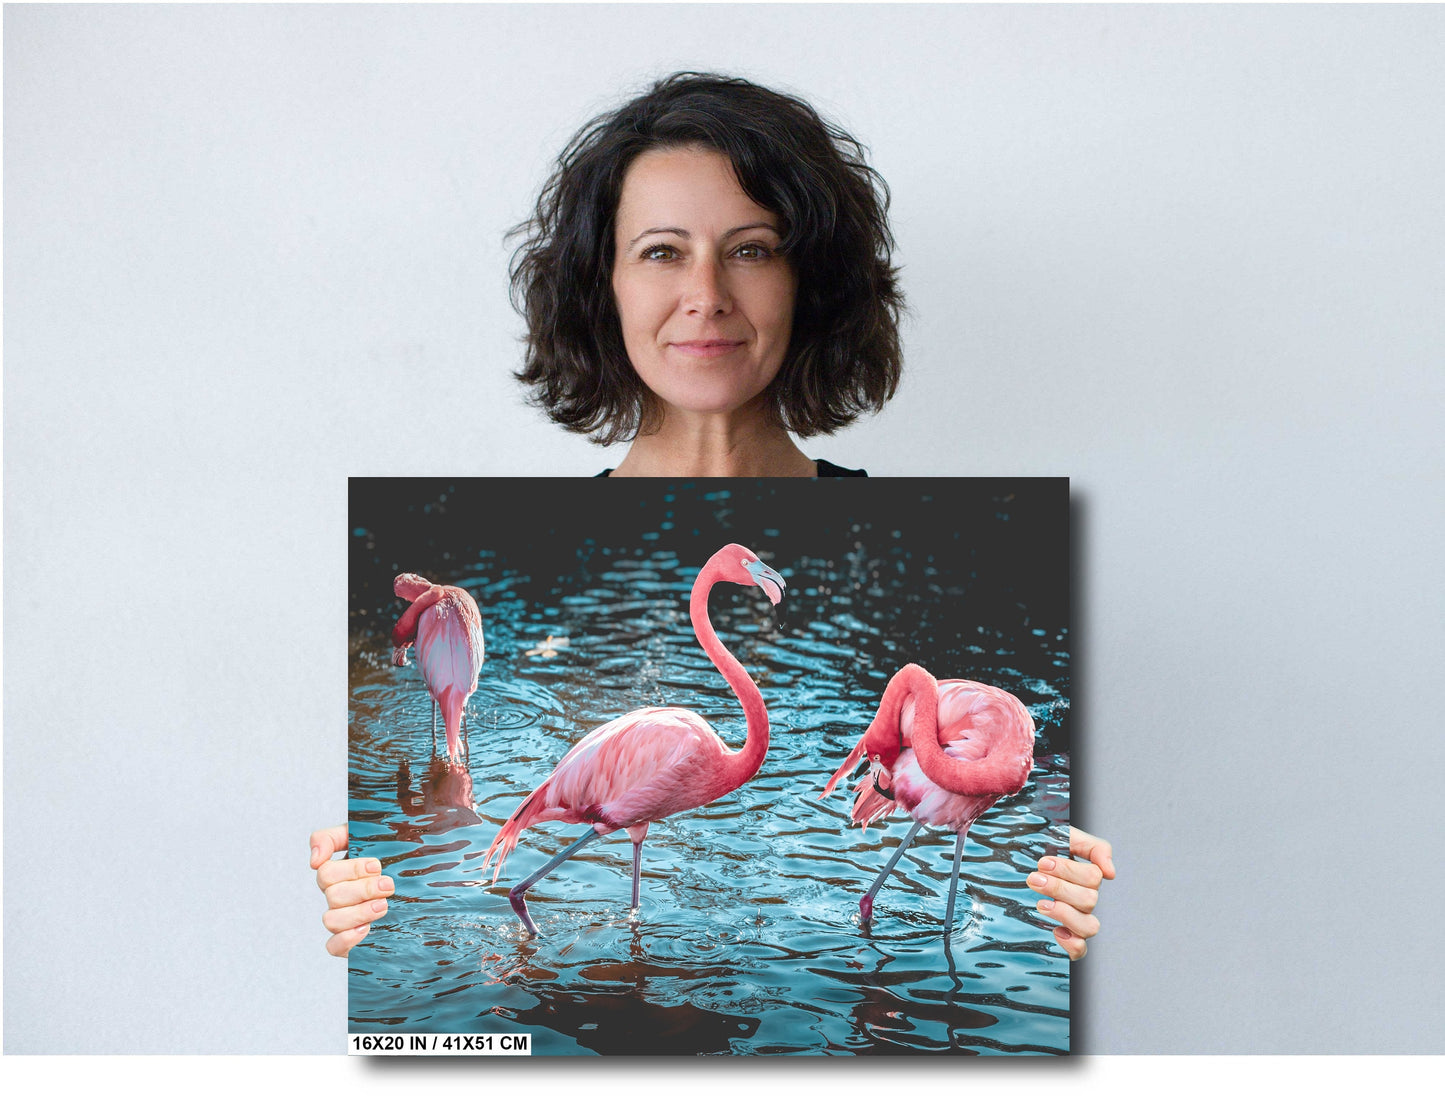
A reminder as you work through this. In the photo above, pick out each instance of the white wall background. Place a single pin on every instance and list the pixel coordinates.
(1192, 257)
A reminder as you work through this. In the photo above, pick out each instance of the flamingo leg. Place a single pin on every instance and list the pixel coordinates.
(517, 895)
(865, 904)
(433, 726)
(953, 886)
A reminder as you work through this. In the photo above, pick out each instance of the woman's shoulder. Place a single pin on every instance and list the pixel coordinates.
(832, 470)
(825, 470)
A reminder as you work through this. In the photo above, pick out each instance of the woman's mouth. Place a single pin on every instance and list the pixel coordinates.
(706, 347)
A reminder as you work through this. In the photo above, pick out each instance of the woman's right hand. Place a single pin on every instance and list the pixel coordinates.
(356, 890)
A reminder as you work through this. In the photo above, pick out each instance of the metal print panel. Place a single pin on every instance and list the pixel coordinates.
(592, 723)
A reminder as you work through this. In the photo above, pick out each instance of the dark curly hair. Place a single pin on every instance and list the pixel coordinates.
(844, 356)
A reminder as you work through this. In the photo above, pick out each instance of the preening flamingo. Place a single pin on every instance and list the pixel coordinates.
(446, 626)
(988, 751)
(655, 761)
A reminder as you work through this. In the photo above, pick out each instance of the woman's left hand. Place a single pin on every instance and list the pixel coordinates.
(1072, 889)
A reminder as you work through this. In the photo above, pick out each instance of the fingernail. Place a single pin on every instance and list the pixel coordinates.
(1038, 880)
(373, 867)
(379, 906)
(315, 854)
(1046, 904)
(1046, 864)
(386, 883)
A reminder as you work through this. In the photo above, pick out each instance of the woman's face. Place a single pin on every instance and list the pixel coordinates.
(706, 302)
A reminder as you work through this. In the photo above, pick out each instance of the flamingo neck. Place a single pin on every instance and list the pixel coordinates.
(738, 766)
(885, 734)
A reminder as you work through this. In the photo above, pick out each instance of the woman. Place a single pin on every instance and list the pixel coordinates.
(706, 275)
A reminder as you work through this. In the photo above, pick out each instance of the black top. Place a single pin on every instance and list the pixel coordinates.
(825, 470)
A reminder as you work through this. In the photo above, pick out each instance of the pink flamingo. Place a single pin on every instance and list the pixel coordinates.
(655, 761)
(989, 739)
(447, 628)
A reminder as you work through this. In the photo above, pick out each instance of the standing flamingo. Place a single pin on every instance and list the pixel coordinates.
(989, 739)
(447, 628)
(655, 761)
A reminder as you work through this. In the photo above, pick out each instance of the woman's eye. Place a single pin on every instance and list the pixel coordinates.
(753, 252)
(659, 253)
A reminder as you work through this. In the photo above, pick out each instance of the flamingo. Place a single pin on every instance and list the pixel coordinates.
(653, 762)
(988, 739)
(446, 626)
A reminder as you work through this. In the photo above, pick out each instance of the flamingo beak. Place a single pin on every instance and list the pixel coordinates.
(769, 580)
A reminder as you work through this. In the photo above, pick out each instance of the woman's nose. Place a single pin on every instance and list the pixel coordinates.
(707, 290)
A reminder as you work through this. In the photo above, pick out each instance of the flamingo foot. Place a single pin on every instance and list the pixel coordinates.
(517, 896)
(865, 910)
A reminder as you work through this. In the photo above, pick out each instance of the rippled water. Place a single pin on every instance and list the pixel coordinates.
(747, 939)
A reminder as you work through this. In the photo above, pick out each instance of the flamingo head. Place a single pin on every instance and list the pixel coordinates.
(883, 742)
(410, 586)
(737, 564)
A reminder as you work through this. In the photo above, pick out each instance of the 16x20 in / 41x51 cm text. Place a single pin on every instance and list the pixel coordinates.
(440, 1045)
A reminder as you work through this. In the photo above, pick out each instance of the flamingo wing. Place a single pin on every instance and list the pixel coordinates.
(449, 647)
(640, 767)
(984, 726)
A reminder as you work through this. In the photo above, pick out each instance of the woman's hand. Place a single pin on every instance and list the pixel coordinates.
(1072, 887)
(356, 890)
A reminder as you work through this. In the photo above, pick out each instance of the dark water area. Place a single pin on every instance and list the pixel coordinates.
(747, 939)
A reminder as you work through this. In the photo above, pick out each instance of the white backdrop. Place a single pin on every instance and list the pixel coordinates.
(1193, 258)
